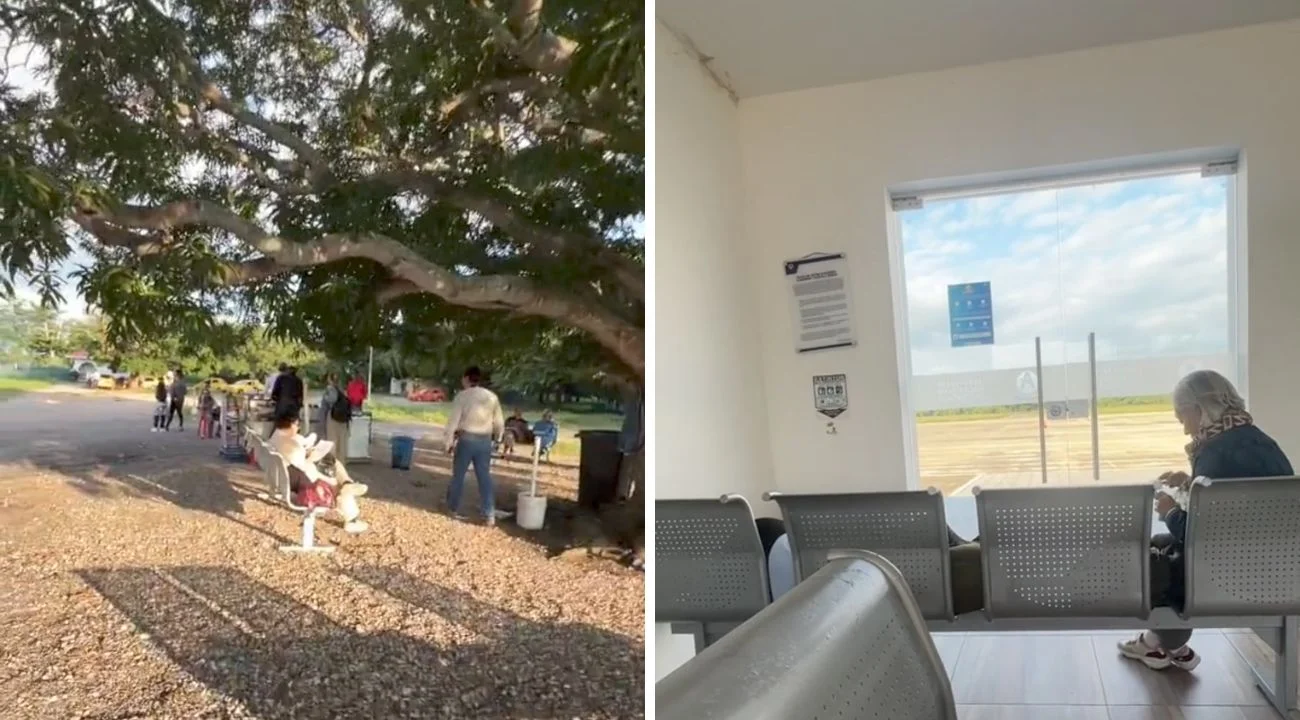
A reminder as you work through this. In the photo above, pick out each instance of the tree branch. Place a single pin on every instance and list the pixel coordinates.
(626, 271)
(413, 272)
(197, 79)
(461, 106)
(522, 33)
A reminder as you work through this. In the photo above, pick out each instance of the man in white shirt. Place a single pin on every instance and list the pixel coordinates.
(475, 425)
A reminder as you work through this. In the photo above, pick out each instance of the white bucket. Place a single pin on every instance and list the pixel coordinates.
(531, 513)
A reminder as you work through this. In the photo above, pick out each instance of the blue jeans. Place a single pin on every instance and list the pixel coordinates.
(475, 449)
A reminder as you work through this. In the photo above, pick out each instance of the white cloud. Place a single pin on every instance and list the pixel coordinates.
(1147, 274)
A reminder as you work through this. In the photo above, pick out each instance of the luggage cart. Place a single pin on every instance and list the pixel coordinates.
(234, 416)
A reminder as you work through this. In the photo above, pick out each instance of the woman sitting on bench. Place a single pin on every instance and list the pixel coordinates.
(1225, 445)
(312, 487)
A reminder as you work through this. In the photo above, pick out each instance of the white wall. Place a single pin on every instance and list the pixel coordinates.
(710, 414)
(817, 163)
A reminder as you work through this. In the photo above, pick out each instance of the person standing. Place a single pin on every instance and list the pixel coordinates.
(358, 392)
(177, 409)
(336, 416)
(270, 379)
(162, 405)
(287, 393)
(475, 425)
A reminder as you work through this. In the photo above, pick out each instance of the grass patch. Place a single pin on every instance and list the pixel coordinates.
(426, 413)
(12, 386)
(570, 419)
(1105, 407)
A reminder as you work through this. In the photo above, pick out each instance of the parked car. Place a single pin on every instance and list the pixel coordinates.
(428, 395)
(108, 381)
(218, 384)
(241, 387)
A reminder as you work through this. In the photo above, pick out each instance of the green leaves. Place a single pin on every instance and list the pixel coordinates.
(285, 111)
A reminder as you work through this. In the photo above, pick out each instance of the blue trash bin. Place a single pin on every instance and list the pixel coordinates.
(403, 451)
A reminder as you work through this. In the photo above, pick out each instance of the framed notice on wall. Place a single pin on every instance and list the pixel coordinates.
(820, 302)
(831, 394)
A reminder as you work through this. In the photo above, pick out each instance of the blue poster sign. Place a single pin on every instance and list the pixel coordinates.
(970, 314)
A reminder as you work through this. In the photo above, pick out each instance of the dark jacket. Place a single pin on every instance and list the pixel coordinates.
(1243, 452)
(179, 389)
(287, 393)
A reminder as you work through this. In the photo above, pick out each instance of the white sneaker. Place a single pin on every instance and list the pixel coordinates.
(1138, 649)
(1185, 658)
(356, 526)
(353, 489)
(153, 429)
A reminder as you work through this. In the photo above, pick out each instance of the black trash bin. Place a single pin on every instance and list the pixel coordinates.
(599, 463)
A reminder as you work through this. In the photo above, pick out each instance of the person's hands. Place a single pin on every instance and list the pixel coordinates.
(1164, 503)
(1175, 479)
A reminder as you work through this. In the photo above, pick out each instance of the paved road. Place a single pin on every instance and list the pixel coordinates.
(71, 428)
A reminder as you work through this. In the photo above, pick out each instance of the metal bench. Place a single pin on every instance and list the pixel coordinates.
(907, 528)
(1079, 558)
(1243, 558)
(1066, 551)
(848, 642)
(711, 569)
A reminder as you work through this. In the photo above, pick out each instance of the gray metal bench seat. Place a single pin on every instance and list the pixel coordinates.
(848, 642)
(907, 528)
(710, 566)
(1078, 558)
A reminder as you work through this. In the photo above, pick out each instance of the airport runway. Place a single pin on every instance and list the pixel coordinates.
(1004, 452)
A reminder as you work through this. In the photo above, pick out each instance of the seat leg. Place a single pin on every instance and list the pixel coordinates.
(695, 630)
(308, 544)
(1281, 692)
(1288, 668)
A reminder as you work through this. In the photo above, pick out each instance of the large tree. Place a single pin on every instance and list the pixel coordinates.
(331, 167)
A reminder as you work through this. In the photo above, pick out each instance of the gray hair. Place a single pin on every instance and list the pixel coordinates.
(1209, 392)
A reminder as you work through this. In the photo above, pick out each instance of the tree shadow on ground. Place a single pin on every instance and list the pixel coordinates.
(282, 659)
(188, 473)
(171, 473)
(425, 486)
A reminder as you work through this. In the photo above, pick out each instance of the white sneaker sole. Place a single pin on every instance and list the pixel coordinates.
(1187, 665)
(1153, 663)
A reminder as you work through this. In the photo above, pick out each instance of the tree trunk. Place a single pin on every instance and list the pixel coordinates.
(624, 521)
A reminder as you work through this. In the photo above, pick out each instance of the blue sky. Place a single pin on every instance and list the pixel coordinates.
(1142, 263)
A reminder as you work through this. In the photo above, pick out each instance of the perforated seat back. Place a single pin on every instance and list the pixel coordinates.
(1066, 552)
(847, 642)
(908, 528)
(1243, 547)
(709, 561)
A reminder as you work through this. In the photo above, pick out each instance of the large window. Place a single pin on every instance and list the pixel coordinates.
(1046, 325)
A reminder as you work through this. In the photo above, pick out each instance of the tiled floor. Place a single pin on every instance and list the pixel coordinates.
(1080, 676)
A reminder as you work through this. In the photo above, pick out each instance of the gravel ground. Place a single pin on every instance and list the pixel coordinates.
(142, 580)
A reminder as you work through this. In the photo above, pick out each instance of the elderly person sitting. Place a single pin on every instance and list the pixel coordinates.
(311, 487)
(517, 431)
(1225, 444)
(548, 432)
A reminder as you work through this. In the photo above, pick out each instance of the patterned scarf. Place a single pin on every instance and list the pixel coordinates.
(1230, 420)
